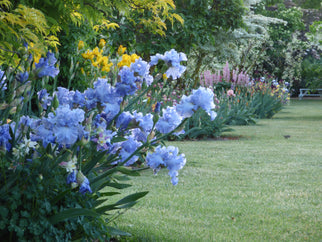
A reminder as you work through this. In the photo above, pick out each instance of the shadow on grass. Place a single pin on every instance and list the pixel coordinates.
(301, 118)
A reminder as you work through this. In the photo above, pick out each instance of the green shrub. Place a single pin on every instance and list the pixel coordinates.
(312, 72)
(237, 107)
(267, 101)
(201, 126)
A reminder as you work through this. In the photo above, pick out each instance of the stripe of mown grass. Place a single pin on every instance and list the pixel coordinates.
(261, 187)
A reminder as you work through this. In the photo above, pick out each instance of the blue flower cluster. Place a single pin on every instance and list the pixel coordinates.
(46, 66)
(168, 157)
(200, 98)
(138, 72)
(5, 137)
(169, 120)
(76, 178)
(96, 115)
(23, 77)
(172, 58)
(173, 116)
(63, 127)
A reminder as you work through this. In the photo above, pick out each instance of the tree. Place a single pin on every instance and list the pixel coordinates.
(205, 22)
(19, 26)
(286, 51)
(62, 23)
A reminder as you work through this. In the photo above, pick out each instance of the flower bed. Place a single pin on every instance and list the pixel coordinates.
(65, 152)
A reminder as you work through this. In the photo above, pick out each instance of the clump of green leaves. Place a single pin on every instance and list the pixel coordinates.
(36, 203)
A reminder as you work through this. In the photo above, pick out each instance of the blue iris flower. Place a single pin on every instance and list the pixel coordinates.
(145, 122)
(45, 66)
(169, 157)
(140, 67)
(172, 59)
(139, 135)
(128, 148)
(105, 93)
(79, 98)
(64, 96)
(186, 108)
(123, 120)
(127, 85)
(84, 186)
(5, 136)
(200, 98)
(204, 98)
(90, 98)
(169, 120)
(63, 127)
(22, 77)
(71, 178)
(44, 98)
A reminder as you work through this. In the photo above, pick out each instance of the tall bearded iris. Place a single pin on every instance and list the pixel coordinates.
(172, 58)
(169, 157)
(127, 85)
(64, 127)
(141, 70)
(169, 120)
(200, 98)
(5, 136)
(45, 66)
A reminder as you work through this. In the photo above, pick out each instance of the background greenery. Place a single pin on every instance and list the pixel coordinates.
(258, 36)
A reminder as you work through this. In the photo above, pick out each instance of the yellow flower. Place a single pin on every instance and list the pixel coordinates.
(164, 77)
(95, 63)
(102, 43)
(104, 60)
(37, 57)
(99, 59)
(126, 61)
(88, 55)
(81, 45)
(134, 57)
(107, 67)
(121, 50)
(96, 51)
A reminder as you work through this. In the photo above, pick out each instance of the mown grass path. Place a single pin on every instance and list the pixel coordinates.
(261, 187)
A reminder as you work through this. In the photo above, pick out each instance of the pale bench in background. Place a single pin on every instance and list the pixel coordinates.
(305, 92)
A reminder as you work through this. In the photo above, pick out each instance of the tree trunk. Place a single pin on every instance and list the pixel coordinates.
(195, 75)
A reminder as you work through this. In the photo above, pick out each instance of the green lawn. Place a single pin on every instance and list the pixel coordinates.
(261, 187)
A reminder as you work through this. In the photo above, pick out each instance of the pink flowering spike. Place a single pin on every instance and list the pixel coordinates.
(226, 72)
